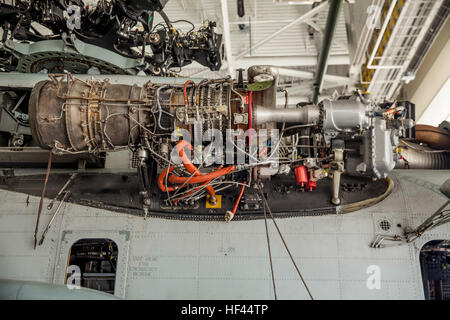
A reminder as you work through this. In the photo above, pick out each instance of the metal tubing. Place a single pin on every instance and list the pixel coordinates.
(305, 115)
(336, 183)
(64, 199)
(12, 80)
(337, 168)
(72, 176)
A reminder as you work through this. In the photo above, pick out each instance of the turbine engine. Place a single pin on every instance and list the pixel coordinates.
(198, 136)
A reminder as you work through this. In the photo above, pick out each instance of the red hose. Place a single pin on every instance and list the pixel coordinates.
(161, 180)
(239, 198)
(188, 164)
(250, 111)
(230, 214)
(192, 191)
(198, 89)
(186, 102)
(200, 179)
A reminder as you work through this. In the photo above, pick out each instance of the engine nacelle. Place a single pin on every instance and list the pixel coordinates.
(163, 121)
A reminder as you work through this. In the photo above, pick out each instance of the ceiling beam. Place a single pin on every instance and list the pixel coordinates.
(333, 15)
(290, 61)
(279, 61)
(310, 75)
(308, 15)
(227, 37)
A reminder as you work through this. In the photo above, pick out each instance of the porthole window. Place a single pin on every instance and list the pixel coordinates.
(435, 265)
(96, 262)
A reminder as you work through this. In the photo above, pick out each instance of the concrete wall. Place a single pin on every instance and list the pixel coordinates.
(432, 75)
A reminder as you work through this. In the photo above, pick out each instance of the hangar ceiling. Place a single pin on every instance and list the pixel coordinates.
(392, 35)
(289, 34)
(275, 33)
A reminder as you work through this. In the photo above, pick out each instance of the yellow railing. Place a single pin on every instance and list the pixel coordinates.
(367, 73)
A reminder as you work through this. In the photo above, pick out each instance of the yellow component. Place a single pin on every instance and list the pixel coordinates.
(178, 132)
(218, 204)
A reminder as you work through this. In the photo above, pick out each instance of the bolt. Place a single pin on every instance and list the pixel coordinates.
(212, 200)
(335, 201)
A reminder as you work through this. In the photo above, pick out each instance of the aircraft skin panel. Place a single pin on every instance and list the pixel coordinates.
(169, 259)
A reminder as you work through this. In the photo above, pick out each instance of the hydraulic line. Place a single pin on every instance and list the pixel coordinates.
(161, 180)
(41, 202)
(189, 166)
(230, 214)
(200, 179)
(186, 84)
(250, 116)
(195, 190)
(193, 169)
(197, 90)
(160, 111)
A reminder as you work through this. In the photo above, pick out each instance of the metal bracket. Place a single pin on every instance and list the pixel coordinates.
(241, 118)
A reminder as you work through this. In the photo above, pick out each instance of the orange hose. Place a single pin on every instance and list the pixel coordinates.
(192, 191)
(230, 214)
(198, 177)
(189, 166)
(186, 162)
(186, 102)
(203, 178)
(239, 198)
(161, 180)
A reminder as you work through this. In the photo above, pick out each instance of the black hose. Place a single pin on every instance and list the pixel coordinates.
(165, 18)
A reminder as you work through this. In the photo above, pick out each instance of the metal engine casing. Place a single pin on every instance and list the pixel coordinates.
(353, 120)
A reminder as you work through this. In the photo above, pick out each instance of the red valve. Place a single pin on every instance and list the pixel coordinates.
(301, 176)
(312, 185)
